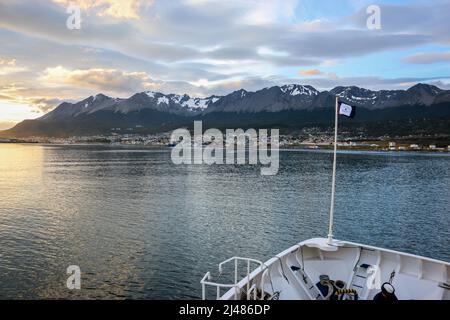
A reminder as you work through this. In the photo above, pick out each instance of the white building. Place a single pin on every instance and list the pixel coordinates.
(392, 146)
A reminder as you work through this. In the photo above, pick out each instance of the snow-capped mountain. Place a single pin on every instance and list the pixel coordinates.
(269, 99)
(156, 111)
(169, 103)
(273, 99)
(422, 94)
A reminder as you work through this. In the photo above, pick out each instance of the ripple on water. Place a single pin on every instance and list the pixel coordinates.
(140, 227)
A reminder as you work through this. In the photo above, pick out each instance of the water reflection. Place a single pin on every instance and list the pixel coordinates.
(141, 227)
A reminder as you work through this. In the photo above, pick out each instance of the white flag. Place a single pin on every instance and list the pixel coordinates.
(346, 110)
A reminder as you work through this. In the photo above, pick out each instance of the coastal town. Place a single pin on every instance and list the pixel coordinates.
(313, 141)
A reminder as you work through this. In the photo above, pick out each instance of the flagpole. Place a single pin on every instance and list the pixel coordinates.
(333, 181)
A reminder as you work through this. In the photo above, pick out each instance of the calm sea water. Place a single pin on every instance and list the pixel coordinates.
(140, 227)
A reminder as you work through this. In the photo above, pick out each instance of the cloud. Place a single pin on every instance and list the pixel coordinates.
(428, 58)
(371, 82)
(204, 47)
(119, 9)
(7, 62)
(443, 84)
(316, 72)
(249, 12)
(270, 12)
(8, 66)
(106, 80)
(310, 72)
(39, 100)
(177, 31)
(347, 43)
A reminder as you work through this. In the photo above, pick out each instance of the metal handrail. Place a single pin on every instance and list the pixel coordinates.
(206, 280)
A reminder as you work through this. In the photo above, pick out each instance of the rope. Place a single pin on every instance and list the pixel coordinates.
(352, 292)
(282, 270)
(392, 276)
(345, 291)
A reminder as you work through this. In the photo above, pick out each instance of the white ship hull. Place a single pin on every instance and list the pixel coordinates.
(295, 274)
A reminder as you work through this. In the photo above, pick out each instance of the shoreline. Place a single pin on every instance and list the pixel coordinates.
(282, 148)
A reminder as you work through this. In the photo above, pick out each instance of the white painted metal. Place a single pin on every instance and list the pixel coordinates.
(414, 277)
(207, 279)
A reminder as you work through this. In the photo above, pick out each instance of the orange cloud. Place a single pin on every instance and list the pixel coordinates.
(316, 72)
(310, 72)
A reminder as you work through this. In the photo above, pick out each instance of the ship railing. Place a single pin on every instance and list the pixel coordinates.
(207, 279)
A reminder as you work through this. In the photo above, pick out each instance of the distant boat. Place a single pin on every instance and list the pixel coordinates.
(171, 145)
(330, 269)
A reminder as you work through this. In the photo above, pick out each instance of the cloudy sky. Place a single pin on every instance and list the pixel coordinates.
(204, 47)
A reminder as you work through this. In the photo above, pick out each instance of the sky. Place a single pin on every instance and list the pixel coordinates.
(205, 47)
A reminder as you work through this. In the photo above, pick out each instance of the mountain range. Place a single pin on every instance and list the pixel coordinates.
(423, 108)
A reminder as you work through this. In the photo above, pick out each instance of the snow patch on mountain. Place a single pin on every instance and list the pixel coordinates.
(151, 94)
(183, 101)
(295, 90)
(164, 100)
(198, 103)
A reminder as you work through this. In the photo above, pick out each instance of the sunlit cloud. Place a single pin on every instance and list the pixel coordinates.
(317, 72)
(17, 95)
(8, 66)
(11, 113)
(7, 62)
(128, 9)
(107, 80)
(204, 47)
(310, 72)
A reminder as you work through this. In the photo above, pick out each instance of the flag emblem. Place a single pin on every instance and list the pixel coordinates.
(347, 110)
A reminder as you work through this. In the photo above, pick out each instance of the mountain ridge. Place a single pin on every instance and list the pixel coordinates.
(155, 111)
